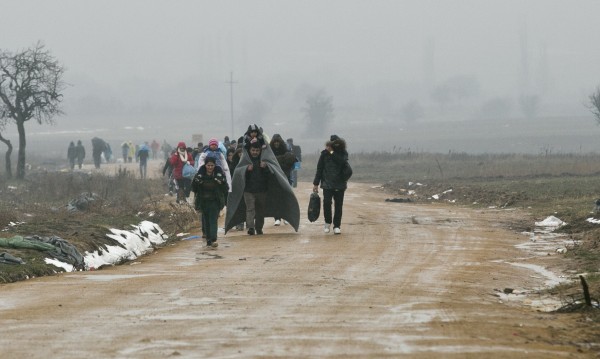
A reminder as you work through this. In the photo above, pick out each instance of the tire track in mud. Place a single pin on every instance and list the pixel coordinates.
(403, 279)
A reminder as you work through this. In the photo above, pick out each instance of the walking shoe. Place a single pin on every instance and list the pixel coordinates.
(259, 231)
(337, 231)
(326, 227)
(277, 222)
(214, 244)
(251, 231)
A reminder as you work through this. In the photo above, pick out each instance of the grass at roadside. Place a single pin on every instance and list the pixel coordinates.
(38, 206)
(566, 185)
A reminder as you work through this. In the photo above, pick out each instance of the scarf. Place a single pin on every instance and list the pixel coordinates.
(183, 156)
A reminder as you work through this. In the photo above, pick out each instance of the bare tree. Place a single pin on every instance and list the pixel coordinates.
(7, 163)
(318, 111)
(594, 104)
(30, 87)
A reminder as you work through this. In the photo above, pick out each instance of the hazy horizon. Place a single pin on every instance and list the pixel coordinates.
(158, 65)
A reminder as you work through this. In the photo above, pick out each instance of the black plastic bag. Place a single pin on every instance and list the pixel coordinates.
(314, 207)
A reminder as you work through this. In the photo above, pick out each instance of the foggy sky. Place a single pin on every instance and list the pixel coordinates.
(182, 52)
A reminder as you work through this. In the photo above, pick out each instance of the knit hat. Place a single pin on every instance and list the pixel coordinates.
(213, 141)
(181, 145)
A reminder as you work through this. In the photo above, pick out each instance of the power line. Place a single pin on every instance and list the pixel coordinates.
(231, 82)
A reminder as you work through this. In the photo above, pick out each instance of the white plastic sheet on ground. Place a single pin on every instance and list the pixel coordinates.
(550, 221)
(133, 243)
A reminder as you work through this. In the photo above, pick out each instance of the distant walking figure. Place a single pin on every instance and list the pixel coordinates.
(125, 151)
(71, 154)
(333, 172)
(80, 152)
(143, 154)
(98, 146)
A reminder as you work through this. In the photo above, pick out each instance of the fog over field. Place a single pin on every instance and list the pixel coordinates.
(420, 75)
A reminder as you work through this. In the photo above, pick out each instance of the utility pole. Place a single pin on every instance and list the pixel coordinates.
(231, 82)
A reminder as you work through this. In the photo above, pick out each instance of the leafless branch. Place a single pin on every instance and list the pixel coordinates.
(594, 104)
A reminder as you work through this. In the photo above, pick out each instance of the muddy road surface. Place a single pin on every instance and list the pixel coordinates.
(402, 280)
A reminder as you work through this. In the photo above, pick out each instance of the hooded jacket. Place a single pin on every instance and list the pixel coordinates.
(177, 163)
(330, 165)
(285, 158)
(248, 140)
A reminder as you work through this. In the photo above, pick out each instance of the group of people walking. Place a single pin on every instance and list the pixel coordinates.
(254, 178)
(76, 153)
(141, 153)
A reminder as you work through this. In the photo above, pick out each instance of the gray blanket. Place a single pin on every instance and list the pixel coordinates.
(281, 201)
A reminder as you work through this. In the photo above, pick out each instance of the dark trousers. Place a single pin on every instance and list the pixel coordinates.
(337, 197)
(185, 187)
(97, 159)
(210, 219)
(143, 168)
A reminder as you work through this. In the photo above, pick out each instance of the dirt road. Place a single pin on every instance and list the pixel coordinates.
(402, 280)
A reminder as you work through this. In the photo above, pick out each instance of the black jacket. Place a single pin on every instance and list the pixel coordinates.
(257, 180)
(209, 188)
(285, 158)
(330, 166)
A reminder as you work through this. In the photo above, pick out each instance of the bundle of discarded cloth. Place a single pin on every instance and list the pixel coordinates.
(53, 246)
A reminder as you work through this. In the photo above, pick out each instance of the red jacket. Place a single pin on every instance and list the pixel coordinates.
(177, 163)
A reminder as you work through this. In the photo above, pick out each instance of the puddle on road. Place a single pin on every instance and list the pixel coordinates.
(207, 255)
(551, 278)
(543, 242)
(108, 277)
